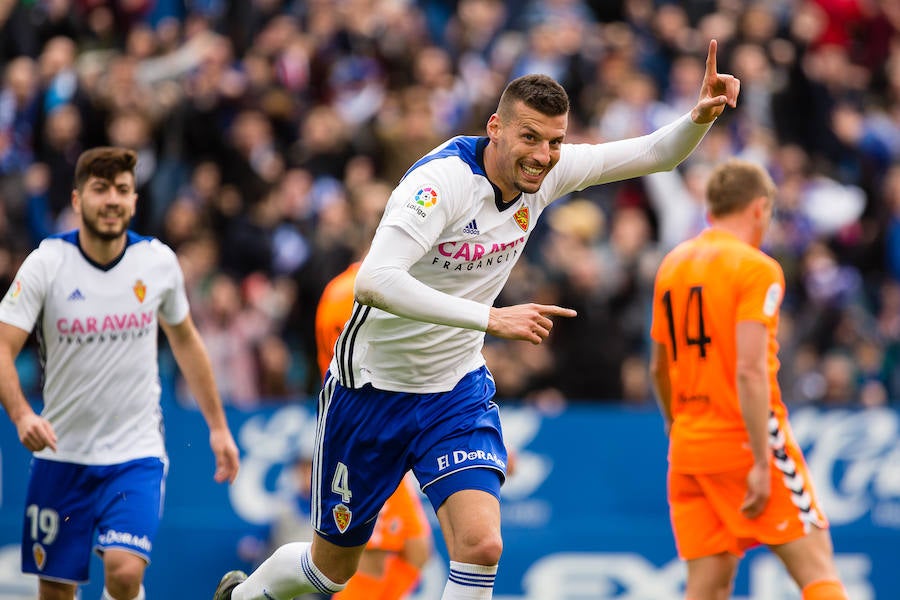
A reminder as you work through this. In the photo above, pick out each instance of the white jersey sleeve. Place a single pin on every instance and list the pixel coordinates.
(24, 300)
(584, 165)
(174, 306)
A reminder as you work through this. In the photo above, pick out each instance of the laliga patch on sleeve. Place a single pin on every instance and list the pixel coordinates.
(12, 295)
(424, 198)
(773, 299)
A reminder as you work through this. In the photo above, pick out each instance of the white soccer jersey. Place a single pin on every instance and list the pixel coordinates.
(97, 327)
(473, 241)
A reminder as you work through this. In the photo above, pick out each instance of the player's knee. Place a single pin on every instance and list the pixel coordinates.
(123, 580)
(481, 548)
(124, 583)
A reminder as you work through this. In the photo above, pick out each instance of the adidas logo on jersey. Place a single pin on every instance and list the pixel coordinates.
(76, 295)
(471, 228)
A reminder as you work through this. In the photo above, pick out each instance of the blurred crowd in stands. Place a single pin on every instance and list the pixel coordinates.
(270, 134)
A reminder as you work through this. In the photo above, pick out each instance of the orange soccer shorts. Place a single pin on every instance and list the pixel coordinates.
(706, 516)
(401, 518)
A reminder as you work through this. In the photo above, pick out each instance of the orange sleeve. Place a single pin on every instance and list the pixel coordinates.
(762, 291)
(335, 306)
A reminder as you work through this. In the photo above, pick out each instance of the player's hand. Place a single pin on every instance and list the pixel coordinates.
(36, 432)
(528, 322)
(226, 452)
(759, 487)
(717, 90)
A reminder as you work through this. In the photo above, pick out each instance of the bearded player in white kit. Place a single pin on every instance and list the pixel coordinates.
(95, 297)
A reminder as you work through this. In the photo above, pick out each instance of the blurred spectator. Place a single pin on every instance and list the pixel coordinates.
(267, 132)
(231, 331)
(18, 113)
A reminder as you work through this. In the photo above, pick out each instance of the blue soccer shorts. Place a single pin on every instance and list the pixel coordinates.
(72, 510)
(367, 439)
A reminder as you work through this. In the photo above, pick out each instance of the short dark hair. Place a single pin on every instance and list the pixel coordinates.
(736, 183)
(104, 162)
(540, 92)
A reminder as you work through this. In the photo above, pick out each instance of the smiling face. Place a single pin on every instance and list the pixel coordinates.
(524, 146)
(105, 207)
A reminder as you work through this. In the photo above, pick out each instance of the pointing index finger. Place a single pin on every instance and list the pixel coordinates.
(558, 311)
(711, 59)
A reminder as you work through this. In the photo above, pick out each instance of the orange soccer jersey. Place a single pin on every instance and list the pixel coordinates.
(334, 309)
(704, 287)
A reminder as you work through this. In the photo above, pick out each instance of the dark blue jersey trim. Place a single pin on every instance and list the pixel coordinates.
(71, 237)
(469, 149)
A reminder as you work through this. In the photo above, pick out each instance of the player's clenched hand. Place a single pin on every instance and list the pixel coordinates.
(718, 89)
(36, 432)
(528, 322)
(759, 486)
(226, 452)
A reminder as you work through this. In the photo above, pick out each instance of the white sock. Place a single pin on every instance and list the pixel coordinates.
(289, 572)
(470, 582)
(106, 595)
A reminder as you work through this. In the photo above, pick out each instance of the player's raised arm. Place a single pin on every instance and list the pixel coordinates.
(717, 90)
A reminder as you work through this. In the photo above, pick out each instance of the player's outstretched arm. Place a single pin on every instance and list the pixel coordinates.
(192, 359)
(716, 91)
(528, 322)
(34, 431)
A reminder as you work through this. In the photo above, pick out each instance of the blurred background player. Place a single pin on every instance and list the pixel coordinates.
(96, 297)
(737, 477)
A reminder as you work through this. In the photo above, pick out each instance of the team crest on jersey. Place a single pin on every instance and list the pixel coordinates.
(40, 556)
(521, 217)
(140, 290)
(342, 517)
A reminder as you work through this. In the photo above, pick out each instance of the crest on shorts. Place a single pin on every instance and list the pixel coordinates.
(40, 555)
(342, 516)
(140, 290)
(521, 217)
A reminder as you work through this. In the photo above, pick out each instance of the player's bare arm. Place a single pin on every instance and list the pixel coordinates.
(35, 432)
(717, 90)
(192, 359)
(662, 385)
(528, 322)
(753, 394)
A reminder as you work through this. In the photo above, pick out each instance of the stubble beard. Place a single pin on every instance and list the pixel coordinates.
(110, 235)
